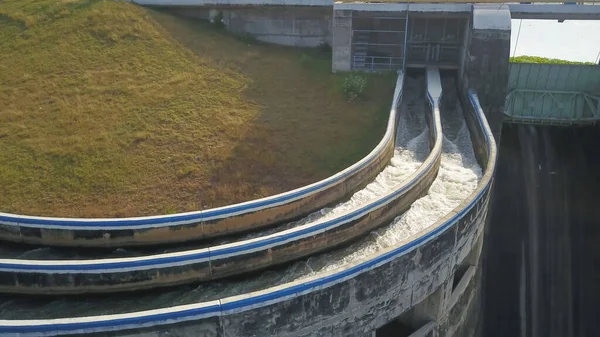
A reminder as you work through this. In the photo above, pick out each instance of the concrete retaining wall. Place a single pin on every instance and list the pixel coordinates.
(350, 302)
(299, 26)
(485, 64)
(109, 275)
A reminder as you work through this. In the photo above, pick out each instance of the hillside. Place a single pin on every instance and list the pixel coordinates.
(110, 109)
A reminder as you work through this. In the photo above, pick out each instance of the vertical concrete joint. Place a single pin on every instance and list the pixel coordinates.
(485, 65)
(342, 40)
(434, 306)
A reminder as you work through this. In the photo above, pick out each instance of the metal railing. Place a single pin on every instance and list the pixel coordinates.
(551, 107)
(374, 63)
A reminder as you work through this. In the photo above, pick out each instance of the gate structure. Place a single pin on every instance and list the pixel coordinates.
(381, 39)
(378, 40)
(557, 94)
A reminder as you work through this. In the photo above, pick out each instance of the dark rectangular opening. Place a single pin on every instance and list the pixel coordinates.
(395, 328)
(458, 275)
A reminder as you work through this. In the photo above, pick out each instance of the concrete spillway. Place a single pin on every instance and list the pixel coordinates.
(431, 216)
(542, 262)
(407, 262)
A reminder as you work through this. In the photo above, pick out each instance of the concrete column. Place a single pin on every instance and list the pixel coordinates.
(485, 64)
(342, 40)
(434, 306)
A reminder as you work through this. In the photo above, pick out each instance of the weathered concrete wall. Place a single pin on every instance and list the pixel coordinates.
(485, 66)
(463, 318)
(298, 26)
(353, 307)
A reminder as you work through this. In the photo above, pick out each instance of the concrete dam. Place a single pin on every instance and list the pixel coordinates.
(412, 240)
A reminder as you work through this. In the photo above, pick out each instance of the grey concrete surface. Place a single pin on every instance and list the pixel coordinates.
(298, 26)
(342, 40)
(485, 66)
(543, 256)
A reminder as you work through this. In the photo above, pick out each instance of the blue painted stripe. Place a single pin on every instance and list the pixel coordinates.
(212, 310)
(155, 262)
(180, 315)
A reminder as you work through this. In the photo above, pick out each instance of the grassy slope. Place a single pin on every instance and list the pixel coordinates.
(109, 109)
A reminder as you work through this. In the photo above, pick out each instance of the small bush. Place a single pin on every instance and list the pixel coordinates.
(354, 87)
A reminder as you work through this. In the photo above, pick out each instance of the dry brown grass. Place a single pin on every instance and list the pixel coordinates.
(109, 109)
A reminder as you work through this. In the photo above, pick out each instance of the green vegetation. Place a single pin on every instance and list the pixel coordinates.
(537, 59)
(110, 109)
(354, 86)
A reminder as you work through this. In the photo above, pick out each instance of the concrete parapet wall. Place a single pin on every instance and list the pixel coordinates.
(299, 26)
(352, 301)
(412, 8)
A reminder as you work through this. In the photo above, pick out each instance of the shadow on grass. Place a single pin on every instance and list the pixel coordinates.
(304, 131)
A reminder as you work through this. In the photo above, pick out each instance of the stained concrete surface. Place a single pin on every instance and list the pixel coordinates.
(542, 270)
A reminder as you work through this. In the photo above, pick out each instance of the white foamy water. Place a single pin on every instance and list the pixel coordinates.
(458, 177)
(408, 157)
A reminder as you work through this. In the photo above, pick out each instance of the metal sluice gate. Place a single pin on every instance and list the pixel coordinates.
(380, 40)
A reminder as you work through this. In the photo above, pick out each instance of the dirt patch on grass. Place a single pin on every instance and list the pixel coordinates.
(110, 109)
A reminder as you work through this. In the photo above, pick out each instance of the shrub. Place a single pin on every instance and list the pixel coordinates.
(354, 87)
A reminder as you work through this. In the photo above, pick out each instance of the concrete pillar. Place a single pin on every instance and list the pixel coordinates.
(434, 306)
(342, 40)
(485, 64)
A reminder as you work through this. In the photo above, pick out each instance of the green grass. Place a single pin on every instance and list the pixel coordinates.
(110, 109)
(544, 60)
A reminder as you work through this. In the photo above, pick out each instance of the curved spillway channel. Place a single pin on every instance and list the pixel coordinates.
(457, 179)
(391, 191)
